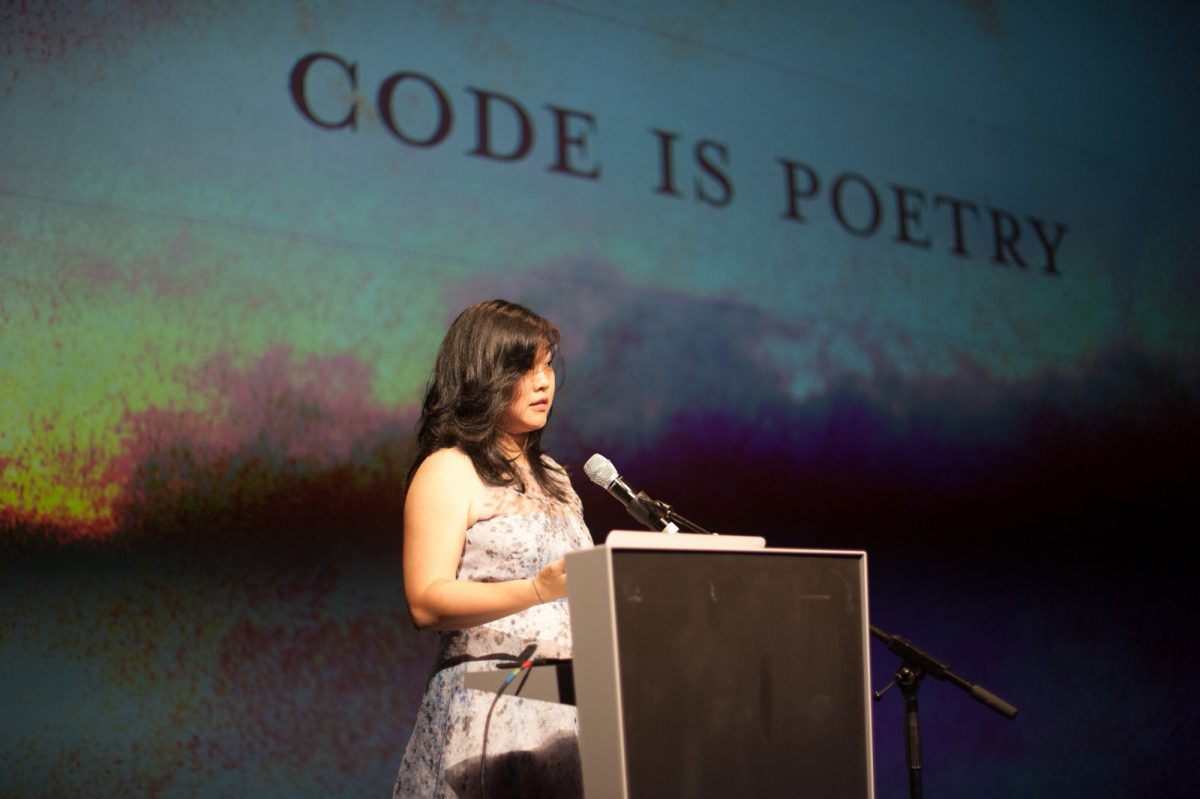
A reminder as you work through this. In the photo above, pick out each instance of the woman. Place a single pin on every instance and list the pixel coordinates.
(487, 520)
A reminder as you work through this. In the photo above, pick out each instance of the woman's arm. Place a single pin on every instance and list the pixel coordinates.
(443, 501)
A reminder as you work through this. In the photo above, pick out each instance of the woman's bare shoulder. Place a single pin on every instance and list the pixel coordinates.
(445, 485)
(450, 464)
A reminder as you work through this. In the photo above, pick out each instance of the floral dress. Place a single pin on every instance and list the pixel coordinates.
(532, 748)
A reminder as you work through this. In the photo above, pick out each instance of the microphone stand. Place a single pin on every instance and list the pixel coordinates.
(669, 517)
(915, 663)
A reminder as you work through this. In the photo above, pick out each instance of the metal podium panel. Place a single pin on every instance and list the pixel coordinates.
(717, 672)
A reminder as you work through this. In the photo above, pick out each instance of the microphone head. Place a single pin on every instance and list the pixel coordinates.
(600, 470)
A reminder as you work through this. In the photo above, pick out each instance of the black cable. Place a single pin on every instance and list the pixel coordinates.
(487, 721)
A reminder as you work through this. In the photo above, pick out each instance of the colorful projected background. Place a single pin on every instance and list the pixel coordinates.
(914, 280)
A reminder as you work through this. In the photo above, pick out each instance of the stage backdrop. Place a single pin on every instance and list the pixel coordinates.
(917, 278)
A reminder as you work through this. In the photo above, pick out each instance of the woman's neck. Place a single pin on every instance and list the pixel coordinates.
(513, 446)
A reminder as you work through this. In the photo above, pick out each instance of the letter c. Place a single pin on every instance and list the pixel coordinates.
(300, 98)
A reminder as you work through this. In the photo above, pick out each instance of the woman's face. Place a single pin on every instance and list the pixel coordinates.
(532, 398)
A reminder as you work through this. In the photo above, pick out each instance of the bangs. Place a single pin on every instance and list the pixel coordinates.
(523, 340)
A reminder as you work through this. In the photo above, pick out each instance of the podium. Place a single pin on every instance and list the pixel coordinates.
(712, 666)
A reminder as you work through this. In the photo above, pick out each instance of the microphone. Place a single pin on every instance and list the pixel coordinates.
(600, 470)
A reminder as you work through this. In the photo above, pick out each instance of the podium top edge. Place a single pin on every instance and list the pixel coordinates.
(693, 542)
(633, 539)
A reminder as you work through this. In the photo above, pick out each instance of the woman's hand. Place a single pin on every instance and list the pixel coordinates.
(551, 582)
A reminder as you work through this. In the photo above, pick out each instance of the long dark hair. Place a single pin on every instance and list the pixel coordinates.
(486, 352)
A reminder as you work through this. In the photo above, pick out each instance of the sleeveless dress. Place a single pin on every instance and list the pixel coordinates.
(532, 746)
